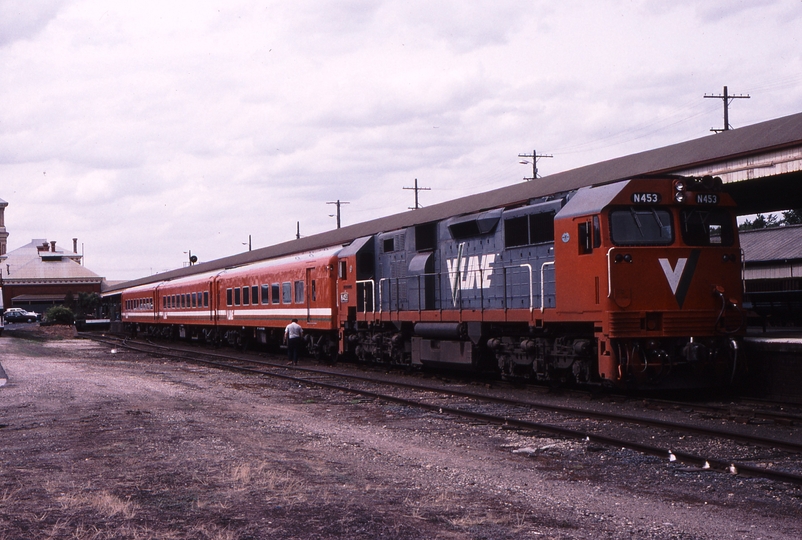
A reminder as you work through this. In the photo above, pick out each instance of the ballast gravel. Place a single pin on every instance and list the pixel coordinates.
(101, 443)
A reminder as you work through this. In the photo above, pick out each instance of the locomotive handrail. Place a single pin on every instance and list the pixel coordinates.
(542, 284)
(380, 295)
(372, 294)
(531, 287)
(609, 275)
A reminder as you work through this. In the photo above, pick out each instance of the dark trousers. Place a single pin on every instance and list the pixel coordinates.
(293, 348)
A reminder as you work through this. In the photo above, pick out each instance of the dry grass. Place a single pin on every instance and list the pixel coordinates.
(104, 503)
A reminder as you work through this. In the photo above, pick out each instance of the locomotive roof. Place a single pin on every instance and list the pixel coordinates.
(772, 134)
(591, 199)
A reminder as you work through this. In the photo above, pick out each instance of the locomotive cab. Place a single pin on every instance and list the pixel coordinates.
(655, 268)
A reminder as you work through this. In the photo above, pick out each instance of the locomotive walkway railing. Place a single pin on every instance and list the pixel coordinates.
(427, 290)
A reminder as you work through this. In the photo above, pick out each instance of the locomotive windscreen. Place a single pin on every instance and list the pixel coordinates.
(704, 227)
(641, 226)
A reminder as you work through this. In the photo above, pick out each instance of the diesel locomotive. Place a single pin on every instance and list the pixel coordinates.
(636, 283)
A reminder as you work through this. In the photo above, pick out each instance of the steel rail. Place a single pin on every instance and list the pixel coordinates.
(713, 463)
(766, 442)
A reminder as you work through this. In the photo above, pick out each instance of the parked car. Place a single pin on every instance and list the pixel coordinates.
(13, 315)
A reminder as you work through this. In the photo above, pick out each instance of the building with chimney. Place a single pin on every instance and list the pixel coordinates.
(39, 275)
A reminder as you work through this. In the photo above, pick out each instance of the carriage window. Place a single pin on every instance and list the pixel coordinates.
(246, 296)
(205, 298)
(255, 294)
(286, 292)
(314, 292)
(275, 293)
(229, 297)
(237, 296)
(701, 227)
(641, 226)
(299, 292)
(343, 270)
(265, 294)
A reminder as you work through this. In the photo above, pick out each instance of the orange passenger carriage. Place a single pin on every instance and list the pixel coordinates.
(138, 305)
(257, 301)
(244, 305)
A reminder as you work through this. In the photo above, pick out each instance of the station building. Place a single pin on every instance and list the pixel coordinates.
(39, 275)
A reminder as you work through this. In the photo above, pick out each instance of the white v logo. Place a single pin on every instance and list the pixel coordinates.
(673, 275)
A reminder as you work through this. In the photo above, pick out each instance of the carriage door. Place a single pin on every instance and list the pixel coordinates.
(311, 293)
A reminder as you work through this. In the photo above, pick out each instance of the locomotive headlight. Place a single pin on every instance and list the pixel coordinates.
(623, 258)
(679, 197)
(679, 185)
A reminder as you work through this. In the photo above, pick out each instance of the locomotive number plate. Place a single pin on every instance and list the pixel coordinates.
(646, 198)
(706, 198)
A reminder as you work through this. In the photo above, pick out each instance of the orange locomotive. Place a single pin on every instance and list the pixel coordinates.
(634, 283)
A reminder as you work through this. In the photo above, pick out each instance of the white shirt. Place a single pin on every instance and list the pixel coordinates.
(293, 330)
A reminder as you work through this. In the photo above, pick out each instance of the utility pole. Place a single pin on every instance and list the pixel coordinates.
(338, 203)
(417, 189)
(534, 155)
(727, 100)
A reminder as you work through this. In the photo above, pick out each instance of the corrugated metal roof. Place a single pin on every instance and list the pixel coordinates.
(773, 134)
(26, 264)
(774, 244)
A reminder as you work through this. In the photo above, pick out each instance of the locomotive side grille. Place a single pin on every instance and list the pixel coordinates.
(633, 324)
(689, 324)
(624, 323)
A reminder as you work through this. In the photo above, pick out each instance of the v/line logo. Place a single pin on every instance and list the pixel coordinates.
(680, 275)
(467, 273)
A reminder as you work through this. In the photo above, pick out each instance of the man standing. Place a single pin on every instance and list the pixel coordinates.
(293, 337)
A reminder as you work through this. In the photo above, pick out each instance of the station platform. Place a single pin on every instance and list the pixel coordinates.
(775, 364)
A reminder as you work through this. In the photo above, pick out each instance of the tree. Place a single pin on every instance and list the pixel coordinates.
(86, 304)
(760, 222)
(792, 217)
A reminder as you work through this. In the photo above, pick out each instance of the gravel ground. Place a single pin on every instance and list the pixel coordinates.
(103, 443)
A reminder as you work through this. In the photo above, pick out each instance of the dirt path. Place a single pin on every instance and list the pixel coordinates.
(107, 444)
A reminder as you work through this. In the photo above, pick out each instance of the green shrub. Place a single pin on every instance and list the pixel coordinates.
(59, 315)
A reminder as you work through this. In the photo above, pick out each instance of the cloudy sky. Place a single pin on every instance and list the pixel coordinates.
(148, 129)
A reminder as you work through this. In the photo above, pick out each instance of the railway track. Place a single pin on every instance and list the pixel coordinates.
(693, 444)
